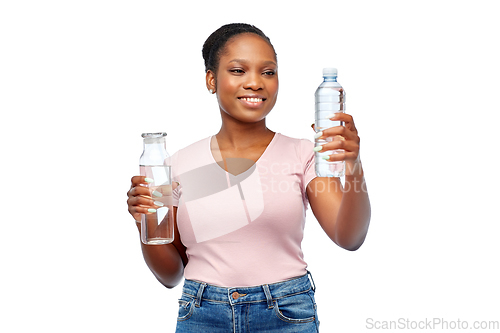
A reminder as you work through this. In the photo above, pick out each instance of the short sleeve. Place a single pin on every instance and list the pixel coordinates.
(176, 188)
(175, 194)
(307, 158)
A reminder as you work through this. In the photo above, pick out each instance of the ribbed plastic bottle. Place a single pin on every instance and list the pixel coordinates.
(330, 99)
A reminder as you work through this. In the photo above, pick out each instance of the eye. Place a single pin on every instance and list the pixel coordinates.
(237, 71)
(269, 73)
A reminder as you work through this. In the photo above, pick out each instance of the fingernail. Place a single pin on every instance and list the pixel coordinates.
(158, 203)
(157, 194)
(326, 157)
(333, 115)
(148, 180)
(152, 210)
(317, 148)
(318, 135)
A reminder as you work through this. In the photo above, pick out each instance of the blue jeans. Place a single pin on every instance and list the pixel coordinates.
(283, 307)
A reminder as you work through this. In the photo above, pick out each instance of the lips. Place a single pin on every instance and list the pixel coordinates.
(252, 100)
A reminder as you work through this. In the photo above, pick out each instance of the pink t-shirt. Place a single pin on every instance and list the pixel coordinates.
(243, 230)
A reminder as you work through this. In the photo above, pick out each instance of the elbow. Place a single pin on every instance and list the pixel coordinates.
(350, 242)
(353, 247)
(351, 239)
(350, 246)
(170, 280)
(165, 263)
(167, 284)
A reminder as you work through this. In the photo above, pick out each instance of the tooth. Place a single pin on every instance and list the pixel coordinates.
(251, 99)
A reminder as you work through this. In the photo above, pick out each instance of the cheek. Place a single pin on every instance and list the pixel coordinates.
(273, 88)
(224, 94)
(226, 84)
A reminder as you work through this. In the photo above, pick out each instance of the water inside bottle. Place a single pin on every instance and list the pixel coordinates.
(157, 228)
(325, 168)
(329, 100)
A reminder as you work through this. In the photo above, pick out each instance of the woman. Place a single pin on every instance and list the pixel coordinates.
(238, 228)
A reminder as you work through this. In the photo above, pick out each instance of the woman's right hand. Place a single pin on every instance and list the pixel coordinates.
(139, 198)
(165, 261)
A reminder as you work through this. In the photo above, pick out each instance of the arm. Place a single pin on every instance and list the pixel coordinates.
(166, 262)
(343, 212)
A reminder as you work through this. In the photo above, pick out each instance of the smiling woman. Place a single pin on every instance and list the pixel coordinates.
(246, 81)
(241, 203)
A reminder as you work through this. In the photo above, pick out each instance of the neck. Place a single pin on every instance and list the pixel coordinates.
(237, 135)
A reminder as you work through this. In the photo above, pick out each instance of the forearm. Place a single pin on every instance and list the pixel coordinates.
(354, 213)
(164, 261)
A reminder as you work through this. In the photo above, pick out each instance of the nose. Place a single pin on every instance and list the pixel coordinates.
(253, 81)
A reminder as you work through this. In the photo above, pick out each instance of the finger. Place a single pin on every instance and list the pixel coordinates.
(139, 191)
(346, 119)
(339, 131)
(141, 201)
(174, 185)
(342, 116)
(341, 156)
(138, 206)
(138, 211)
(351, 150)
(348, 146)
(138, 180)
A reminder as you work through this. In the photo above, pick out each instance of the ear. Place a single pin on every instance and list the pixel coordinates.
(210, 80)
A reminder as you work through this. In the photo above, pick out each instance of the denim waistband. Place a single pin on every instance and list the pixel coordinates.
(264, 293)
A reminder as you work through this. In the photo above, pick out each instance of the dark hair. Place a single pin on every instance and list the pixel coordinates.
(216, 42)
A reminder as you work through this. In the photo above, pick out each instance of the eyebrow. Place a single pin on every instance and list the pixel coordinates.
(268, 62)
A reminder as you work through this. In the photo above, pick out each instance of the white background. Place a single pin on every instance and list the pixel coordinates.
(81, 80)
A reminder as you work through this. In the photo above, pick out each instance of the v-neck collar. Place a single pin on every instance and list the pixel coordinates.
(269, 146)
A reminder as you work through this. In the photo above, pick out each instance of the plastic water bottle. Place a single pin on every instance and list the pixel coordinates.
(157, 227)
(330, 99)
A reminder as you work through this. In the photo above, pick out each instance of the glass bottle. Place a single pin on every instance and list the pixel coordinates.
(157, 226)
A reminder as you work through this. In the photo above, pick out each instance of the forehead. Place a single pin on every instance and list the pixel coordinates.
(250, 47)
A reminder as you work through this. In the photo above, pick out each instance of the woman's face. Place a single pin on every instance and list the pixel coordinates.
(247, 78)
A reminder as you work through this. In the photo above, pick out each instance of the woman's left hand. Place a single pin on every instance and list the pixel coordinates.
(343, 137)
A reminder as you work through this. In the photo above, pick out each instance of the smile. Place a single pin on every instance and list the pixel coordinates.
(252, 99)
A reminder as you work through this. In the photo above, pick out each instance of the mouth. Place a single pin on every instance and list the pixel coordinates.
(252, 99)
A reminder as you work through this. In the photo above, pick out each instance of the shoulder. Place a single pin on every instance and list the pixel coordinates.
(192, 156)
(200, 145)
(302, 147)
(297, 142)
